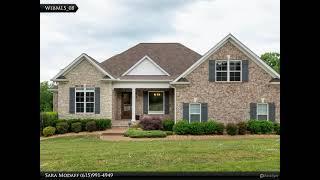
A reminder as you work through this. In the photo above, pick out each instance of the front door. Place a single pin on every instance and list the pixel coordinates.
(126, 105)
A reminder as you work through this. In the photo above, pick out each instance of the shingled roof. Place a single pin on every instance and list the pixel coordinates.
(174, 58)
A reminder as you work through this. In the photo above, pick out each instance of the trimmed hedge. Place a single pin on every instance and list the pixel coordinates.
(62, 127)
(276, 128)
(219, 129)
(76, 127)
(260, 126)
(134, 133)
(84, 123)
(167, 124)
(91, 126)
(48, 119)
(242, 128)
(151, 123)
(103, 124)
(181, 127)
(49, 131)
(232, 129)
(169, 133)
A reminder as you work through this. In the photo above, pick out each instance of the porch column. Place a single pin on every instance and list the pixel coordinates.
(133, 107)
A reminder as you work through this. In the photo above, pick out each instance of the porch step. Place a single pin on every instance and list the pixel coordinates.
(120, 123)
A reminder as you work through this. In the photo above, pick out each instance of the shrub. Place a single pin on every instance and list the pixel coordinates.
(266, 127)
(181, 127)
(135, 126)
(260, 126)
(59, 121)
(134, 133)
(276, 128)
(62, 127)
(76, 127)
(103, 124)
(84, 123)
(71, 121)
(91, 126)
(196, 128)
(232, 129)
(49, 131)
(167, 124)
(169, 133)
(209, 127)
(242, 128)
(151, 123)
(48, 119)
(219, 128)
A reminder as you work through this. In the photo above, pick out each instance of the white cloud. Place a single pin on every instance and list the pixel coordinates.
(105, 28)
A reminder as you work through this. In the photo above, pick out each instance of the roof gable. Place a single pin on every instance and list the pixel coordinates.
(145, 66)
(77, 61)
(241, 47)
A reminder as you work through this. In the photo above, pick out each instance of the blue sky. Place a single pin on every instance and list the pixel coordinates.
(103, 28)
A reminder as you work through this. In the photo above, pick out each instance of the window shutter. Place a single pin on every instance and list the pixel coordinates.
(212, 69)
(166, 102)
(245, 70)
(253, 111)
(272, 112)
(97, 100)
(145, 102)
(185, 111)
(204, 112)
(72, 100)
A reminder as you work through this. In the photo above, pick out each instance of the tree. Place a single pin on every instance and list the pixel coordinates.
(45, 96)
(272, 59)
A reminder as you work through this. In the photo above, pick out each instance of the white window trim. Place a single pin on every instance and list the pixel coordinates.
(194, 113)
(157, 112)
(228, 70)
(84, 90)
(263, 114)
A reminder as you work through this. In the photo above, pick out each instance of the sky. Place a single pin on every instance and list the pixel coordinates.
(103, 28)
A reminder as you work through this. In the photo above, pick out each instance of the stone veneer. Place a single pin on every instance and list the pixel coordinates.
(85, 73)
(228, 102)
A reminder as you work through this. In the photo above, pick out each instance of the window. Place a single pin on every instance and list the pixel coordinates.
(228, 70)
(262, 111)
(156, 102)
(194, 112)
(84, 100)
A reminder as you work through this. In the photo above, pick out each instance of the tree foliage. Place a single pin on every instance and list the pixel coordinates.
(45, 97)
(272, 59)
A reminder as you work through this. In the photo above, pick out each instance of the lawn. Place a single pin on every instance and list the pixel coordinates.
(88, 153)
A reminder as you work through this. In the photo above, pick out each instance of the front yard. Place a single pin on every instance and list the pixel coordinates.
(89, 153)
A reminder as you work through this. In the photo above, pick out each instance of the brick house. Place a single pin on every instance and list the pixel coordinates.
(229, 83)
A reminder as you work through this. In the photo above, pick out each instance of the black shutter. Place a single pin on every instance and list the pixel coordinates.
(272, 112)
(71, 100)
(204, 112)
(253, 111)
(166, 102)
(185, 111)
(145, 102)
(245, 70)
(212, 69)
(97, 100)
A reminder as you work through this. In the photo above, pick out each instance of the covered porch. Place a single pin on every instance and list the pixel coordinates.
(131, 104)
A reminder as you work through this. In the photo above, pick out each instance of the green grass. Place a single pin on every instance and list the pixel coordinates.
(136, 133)
(87, 153)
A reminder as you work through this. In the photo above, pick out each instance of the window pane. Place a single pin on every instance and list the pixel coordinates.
(262, 109)
(221, 66)
(194, 108)
(195, 118)
(89, 96)
(235, 76)
(79, 107)
(155, 101)
(89, 107)
(262, 117)
(79, 96)
(235, 65)
(221, 76)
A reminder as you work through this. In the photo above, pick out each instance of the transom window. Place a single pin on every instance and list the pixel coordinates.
(84, 99)
(262, 111)
(195, 112)
(156, 102)
(228, 70)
